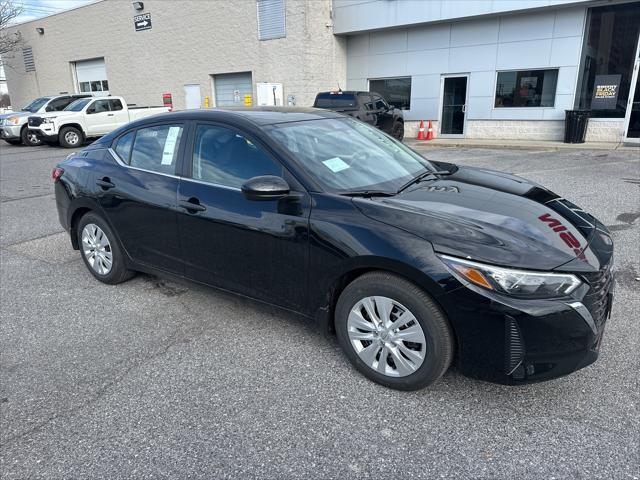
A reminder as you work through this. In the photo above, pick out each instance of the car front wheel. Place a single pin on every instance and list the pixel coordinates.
(393, 332)
(398, 130)
(71, 137)
(100, 250)
(29, 138)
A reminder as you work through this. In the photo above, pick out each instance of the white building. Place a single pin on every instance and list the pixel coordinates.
(498, 69)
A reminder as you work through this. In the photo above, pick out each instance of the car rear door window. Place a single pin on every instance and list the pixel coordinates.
(225, 157)
(115, 104)
(123, 146)
(156, 148)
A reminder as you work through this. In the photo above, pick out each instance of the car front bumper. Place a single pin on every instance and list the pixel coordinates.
(46, 132)
(10, 132)
(512, 341)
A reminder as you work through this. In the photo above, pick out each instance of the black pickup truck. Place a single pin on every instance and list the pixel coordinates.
(369, 107)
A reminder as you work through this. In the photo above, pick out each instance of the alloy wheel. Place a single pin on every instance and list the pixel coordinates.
(72, 138)
(33, 139)
(386, 336)
(97, 249)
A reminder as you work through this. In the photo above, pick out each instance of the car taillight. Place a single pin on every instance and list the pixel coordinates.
(57, 173)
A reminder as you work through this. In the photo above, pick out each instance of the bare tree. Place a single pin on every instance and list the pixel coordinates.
(9, 41)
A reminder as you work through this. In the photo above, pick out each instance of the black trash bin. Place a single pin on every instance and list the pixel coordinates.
(575, 125)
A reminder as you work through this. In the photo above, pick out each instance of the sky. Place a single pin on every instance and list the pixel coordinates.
(32, 9)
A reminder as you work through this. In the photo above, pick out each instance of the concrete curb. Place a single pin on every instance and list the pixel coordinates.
(519, 145)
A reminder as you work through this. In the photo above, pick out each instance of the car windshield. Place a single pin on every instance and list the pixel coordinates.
(36, 105)
(335, 100)
(346, 155)
(77, 105)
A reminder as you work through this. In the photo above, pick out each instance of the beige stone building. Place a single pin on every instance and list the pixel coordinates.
(273, 51)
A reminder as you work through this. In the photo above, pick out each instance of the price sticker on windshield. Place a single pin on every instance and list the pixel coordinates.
(335, 164)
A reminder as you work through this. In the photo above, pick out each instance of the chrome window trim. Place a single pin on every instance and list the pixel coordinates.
(122, 164)
(211, 184)
(188, 179)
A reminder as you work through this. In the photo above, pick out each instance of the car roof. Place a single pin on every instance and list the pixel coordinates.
(257, 115)
(345, 92)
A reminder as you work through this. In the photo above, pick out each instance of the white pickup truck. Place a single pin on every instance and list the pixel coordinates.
(86, 118)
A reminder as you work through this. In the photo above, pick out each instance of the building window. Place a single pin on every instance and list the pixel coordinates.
(396, 91)
(94, 86)
(608, 53)
(526, 88)
(271, 19)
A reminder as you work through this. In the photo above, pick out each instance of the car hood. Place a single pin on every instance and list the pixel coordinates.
(14, 114)
(496, 218)
(53, 114)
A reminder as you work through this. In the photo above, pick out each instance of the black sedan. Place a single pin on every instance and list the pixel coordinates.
(415, 265)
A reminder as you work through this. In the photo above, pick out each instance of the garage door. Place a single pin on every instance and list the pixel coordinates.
(92, 76)
(231, 88)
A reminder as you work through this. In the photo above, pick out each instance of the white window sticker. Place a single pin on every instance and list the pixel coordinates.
(335, 164)
(170, 145)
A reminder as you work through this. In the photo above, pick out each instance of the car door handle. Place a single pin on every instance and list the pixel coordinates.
(105, 183)
(109, 114)
(192, 205)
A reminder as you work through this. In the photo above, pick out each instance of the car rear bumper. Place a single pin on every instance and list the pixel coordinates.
(10, 132)
(523, 341)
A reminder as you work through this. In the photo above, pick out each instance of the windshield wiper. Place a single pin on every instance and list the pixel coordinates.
(422, 176)
(367, 193)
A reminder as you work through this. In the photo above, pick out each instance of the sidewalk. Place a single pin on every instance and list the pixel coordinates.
(518, 144)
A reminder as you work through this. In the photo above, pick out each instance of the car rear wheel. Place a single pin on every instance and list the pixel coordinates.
(71, 137)
(100, 250)
(398, 130)
(393, 332)
(29, 138)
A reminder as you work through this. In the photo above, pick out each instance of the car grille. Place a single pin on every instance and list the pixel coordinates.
(35, 121)
(598, 298)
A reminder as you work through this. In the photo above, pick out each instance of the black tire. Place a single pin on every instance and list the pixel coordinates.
(66, 135)
(13, 141)
(398, 130)
(29, 140)
(437, 331)
(119, 272)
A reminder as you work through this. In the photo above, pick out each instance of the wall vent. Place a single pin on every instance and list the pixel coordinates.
(29, 62)
(271, 19)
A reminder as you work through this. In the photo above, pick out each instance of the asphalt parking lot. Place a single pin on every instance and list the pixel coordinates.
(159, 379)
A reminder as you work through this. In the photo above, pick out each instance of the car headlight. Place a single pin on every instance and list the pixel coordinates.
(12, 120)
(517, 283)
(48, 120)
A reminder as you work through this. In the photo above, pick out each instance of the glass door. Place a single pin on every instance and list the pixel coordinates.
(632, 120)
(454, 106)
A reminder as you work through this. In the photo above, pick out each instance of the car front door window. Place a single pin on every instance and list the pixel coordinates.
(225, 157)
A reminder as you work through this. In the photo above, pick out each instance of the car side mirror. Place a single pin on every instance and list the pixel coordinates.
(265, 187)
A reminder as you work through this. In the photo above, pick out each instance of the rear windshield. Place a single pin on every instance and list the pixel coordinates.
(335, 100)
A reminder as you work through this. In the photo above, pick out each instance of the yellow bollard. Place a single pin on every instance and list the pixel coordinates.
(206, 101)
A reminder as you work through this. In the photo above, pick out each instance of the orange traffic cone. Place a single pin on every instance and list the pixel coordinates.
(421, 135)
(429, 132)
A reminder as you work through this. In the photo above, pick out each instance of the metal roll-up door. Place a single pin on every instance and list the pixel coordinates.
(231, 89)
(91, 76)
